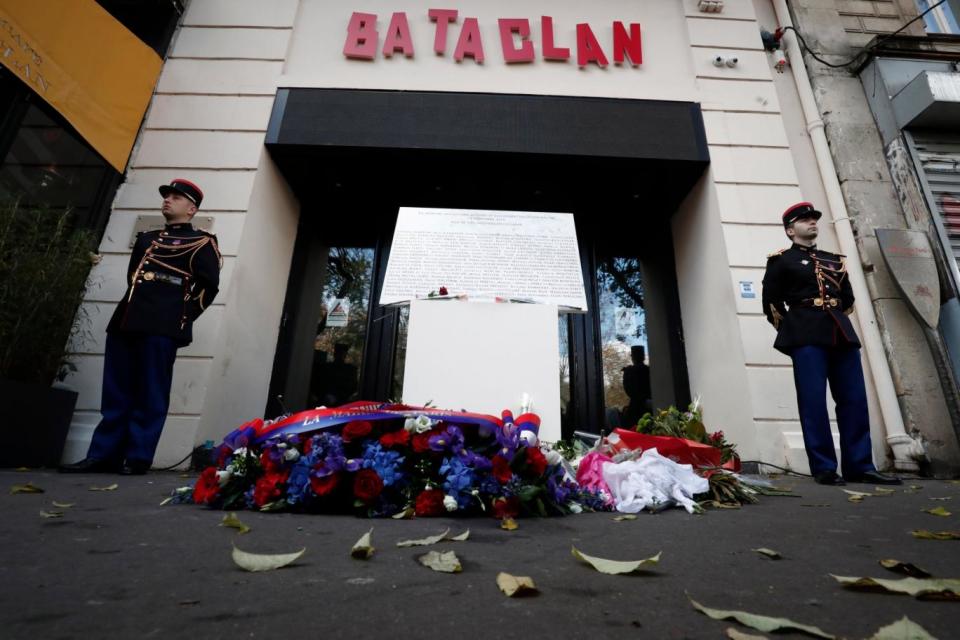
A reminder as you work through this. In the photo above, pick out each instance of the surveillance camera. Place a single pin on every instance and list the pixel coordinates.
(779, 61)
(732, 62)
(718, 61)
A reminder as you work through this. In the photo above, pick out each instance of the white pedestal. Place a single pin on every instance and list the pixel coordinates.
(483, 357)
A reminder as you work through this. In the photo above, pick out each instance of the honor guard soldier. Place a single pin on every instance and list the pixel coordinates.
(173, 276)
(807, 298)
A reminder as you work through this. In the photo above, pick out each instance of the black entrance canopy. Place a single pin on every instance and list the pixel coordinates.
(612, 157)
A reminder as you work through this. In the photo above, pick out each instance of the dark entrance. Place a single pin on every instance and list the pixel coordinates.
(353, 157)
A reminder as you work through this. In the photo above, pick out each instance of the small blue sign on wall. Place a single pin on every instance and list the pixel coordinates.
(747, 290)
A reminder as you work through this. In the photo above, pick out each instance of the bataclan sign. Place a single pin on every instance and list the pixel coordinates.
(363, 40)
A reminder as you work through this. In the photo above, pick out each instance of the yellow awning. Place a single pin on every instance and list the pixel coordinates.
(85, 64)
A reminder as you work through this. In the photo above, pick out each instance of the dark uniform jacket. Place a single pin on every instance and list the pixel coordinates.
(806, 297)
(173, 276)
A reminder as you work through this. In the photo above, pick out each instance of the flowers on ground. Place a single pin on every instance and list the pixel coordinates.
(432, 465)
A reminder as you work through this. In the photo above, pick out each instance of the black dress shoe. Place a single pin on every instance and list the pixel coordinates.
(134, 468)
(874, 477)
(89, 465)
(830, 478)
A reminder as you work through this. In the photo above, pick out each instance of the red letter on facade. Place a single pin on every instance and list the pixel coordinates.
(361, 36)
(469, 43)
(588, 49)
(509, 26)
(551, 52)
(398, 36)
(442, 17)
(627, 44)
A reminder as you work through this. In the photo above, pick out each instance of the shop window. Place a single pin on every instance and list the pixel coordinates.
(941, 19)
(45, 163)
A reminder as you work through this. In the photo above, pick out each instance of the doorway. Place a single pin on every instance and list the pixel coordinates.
(353, 157)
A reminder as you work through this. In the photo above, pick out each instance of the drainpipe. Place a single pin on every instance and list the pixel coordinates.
(906, 449)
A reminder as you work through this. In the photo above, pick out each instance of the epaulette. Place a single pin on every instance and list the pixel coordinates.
(775, 254)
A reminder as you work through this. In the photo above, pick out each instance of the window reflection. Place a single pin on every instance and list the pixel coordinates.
(623, 341)
(342, 327)
(566, 408)
(47, 165)
(400, 354)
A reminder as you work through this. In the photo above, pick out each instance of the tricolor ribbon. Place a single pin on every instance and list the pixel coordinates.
(313, 420)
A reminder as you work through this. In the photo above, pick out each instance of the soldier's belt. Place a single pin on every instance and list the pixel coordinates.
(819, 303)
(162, 277)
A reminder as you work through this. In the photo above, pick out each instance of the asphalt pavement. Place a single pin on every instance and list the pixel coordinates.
(117, 564)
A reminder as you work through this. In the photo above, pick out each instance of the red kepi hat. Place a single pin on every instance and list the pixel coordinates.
(798, 211)
(184, 187)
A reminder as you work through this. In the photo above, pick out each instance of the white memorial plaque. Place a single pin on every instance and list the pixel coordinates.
(522, 256)
(484, 358)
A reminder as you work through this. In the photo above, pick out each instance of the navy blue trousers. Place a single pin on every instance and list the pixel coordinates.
(137, 374)
(813, 368)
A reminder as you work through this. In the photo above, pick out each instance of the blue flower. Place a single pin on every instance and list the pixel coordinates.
(450, 439)
(459, 478)
(385, 463)
(508, 437)
(298, 484)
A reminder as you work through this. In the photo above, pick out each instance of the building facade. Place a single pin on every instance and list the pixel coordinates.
(890, 113)
(676, 144)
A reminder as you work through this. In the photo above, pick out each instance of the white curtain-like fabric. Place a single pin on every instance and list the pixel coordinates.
(651, 482)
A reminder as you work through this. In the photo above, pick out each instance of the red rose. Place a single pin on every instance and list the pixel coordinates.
(356, 430)
(443, 291)
(269, 487)
(325, 485)
(421, 442)
(536, 461)
(501, 469)
(429, 503)
(207, 489)
(367, 485)
(307, 446)
(506, 507)
(398, 438)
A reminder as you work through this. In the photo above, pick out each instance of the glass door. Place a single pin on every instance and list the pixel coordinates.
(623, 341)
(341, 327)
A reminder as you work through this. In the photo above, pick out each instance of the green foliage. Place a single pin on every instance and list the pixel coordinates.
(685, 424)
(44, 263)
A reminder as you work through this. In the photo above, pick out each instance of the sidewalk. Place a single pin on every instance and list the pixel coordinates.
(118, 565)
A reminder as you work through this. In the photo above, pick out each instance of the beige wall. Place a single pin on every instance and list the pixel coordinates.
(210, 112)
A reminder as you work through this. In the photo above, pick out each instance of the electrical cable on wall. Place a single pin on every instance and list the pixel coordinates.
(779, 33)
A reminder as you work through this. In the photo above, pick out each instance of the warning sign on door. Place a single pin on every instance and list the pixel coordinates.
(339, 312)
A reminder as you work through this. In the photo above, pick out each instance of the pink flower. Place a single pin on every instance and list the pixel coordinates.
(590, 472)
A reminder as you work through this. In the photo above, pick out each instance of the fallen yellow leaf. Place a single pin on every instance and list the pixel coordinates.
(515, 585)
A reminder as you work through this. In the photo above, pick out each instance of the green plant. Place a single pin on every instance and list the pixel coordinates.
(685, 424)
(44, 264)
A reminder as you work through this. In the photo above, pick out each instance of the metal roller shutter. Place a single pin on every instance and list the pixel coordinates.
(939, 158)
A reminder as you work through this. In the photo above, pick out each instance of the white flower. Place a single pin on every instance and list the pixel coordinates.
(553, 457)
(574, 507)
(223, 477)
(291, 455)
(450, 503)
(241, 452)
(529, 437)
(420, 424)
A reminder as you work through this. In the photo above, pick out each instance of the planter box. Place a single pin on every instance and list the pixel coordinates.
(34, 420)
